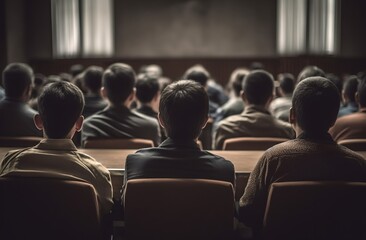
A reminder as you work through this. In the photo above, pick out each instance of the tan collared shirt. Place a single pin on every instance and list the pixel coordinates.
(59, 158)
(255, 121)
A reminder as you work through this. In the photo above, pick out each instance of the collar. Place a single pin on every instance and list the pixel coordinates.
(175, 143)
(56, 144)
(255, 108)
(319, 137)
(118, 108)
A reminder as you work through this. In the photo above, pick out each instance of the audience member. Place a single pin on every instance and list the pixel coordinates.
(255, 121)
(92, 83)
(199, 74)
(235, 104)
(183, 113)
(16, 116)
(310, 71)
(117, 120)
(352, 125)
(312, 156)
(60, 107)
(348, 94)
(280, 107)
(148, 96)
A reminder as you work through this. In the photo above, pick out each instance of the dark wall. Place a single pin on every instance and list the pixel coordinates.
(195, 28)
(353, 30)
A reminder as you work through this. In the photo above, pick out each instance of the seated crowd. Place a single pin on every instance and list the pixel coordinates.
(117, 103)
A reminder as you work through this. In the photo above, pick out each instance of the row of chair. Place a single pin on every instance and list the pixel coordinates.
(241, 143)
(39, 208)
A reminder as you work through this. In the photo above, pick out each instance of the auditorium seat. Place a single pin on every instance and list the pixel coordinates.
(252, 143)
(19, 141)
(179, 209)
(316, 210)
(354, 144)
(44, 208)
(118, 143)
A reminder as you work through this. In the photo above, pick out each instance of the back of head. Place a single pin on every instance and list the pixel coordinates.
(184, 109)
(236, 79)
(17, 77)
(146, 88)
(258, 87)
(310, 71)
(76, 69)
(361, 90)
(198, 74)
(287, 83)
(154, 71)
(118, 81)
(60, 105)
(315, 103)
(350, 88)
(92, 79)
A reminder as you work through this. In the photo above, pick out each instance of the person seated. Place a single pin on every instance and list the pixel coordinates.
(352, 125)
(235, 104)
(255, 120)
(312, 156)
(60, 107)
(349, 96)
(16, 115)
(183, 113)
(148, 96)
(92, 83)
(199, 74)
(310, 71)
(280, 107)
(117, 120)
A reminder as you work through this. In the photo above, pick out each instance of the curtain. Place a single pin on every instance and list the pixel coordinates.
(65, 28)
(82, 28)
(323, 30)
(97, 29)
(291, 26)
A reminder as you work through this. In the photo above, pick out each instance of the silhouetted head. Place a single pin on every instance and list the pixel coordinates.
(350, 89)
(287, 83)
(183, 109)
(17, 80)
(361, 93)
(258, 87)
(60, 106)
(310, 71)
(236, 80)
(147, 88)
(118, 82)
(198, 74)
(92, 79)
(315, 105)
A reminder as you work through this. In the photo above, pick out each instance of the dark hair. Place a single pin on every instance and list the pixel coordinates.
(350, 87)
(146, 88)
(258, 87)
(198, 74)
(310, 71)
(92, 78)
(316, 103)
(287, 82)
(361, 90)
(17, 77)
(183, 108)
(60, 105)
(119, 81)
(238, 81)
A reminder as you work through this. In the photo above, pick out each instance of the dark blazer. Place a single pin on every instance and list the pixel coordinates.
(16, 119)
(173, 159)
(93, 104)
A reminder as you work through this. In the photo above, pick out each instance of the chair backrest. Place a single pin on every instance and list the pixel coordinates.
(354, 144)
(118, 143)
(178, 209)
(316, 210)
(44, 208)
(251, 143)
(19, 141)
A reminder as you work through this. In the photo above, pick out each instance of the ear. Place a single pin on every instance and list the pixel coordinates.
(38, 121)
(103, 92)
(161, 122)
(243, 96)
(79, 123)
(292, 116)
